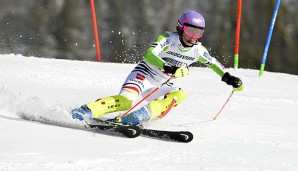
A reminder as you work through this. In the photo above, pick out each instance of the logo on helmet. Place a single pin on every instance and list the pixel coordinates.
(197, 20)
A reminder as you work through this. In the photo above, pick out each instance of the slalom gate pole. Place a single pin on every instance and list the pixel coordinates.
(237, 39)
(214, 118)
(95, 30)
(269, 38)
(148, 95)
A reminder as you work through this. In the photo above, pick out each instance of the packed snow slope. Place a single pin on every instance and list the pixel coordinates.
(258, 129)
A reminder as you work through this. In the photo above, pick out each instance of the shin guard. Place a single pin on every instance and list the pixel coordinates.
(109, 105)
(157, 107)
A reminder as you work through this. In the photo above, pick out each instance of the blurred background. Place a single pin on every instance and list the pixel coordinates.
(63, 29)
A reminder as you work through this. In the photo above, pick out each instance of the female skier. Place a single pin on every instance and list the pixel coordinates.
(168, 56)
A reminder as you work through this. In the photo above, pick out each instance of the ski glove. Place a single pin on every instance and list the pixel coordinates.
(231, 80)
(177, 72)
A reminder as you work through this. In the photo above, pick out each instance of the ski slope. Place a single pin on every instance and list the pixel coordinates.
(258, 129)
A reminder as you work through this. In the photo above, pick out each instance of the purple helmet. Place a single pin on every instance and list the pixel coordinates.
(190, 19)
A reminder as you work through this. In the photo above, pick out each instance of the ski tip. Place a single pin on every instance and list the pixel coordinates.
(185, 137)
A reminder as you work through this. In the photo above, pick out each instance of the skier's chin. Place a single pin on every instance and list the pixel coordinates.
(189, 43)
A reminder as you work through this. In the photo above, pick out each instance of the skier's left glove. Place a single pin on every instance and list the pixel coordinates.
(233, 81)
(177, 72)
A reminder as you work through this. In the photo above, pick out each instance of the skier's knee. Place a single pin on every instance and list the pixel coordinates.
(180, 95)
(109, 104)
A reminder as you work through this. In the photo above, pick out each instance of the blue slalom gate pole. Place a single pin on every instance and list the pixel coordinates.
(269, 37)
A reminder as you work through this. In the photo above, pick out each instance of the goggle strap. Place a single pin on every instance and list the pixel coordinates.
(190, 25)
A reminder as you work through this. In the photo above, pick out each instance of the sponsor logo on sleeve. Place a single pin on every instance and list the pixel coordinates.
(207, 56)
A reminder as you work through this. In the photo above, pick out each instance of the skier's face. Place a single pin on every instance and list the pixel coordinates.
(191, 34)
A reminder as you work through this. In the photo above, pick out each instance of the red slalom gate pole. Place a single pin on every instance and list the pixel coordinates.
(95, 30)
(236, 54)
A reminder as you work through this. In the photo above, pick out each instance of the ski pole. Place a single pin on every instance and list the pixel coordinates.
(224, 104)
(157, 88)
(262, 67)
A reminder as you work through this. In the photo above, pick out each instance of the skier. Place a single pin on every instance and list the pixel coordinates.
(169, 56)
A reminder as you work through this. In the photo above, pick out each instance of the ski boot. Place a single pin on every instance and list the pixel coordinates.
(82, 113)
(136, 117)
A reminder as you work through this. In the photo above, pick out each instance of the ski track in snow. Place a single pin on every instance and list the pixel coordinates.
(257, 130)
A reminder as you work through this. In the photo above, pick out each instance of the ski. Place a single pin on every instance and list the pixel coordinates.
(130, 131)
(180, 136)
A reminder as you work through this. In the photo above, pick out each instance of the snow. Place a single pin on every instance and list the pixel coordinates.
(257, 130)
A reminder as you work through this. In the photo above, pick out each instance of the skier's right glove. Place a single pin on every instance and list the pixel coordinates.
(232, 80)
(177, 72)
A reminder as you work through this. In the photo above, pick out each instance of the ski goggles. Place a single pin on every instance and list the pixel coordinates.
(192, 32)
